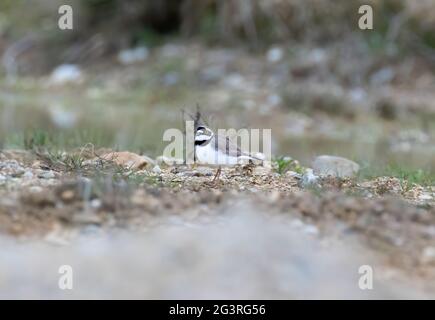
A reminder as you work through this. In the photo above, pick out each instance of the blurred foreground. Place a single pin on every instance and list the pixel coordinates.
(242, 254)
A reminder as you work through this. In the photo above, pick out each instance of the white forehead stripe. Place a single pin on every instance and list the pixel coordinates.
(202, 137)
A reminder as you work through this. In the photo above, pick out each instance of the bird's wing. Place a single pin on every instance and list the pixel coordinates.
(225, 145)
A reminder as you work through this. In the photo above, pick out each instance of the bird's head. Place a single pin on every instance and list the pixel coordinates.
(203, 135)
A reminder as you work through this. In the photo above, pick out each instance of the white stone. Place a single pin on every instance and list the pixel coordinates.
(157, 169)
(383, 76)
(171, 78)
(274, 100)
(66, 73)
(275, 54)
(425, 196)
(95, 203)
(134, 55)
(28, 175)
(335, 166)
(309, 179)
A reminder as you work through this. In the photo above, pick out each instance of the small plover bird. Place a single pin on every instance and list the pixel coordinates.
(212, 149)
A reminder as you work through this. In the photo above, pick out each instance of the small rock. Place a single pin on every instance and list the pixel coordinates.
(293, 174)
(17, 173)
(128, 159)
(428, 255)
(68, 195)
(274, 100)
(171, 50)
(234, 80)
(357, 95)
(47, 175)
(134, 55)
(309, 179)
(204, 172)
(66, 73)
(316, 56)
(382, 76)
(335, 166)
(275, 54)
(36, 165)
(157, 169)
(171, 78)
(28, 175)
(212, 73)
(96, 203)
(425, 196)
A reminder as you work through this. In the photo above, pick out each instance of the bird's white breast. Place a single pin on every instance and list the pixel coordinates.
(209, 155)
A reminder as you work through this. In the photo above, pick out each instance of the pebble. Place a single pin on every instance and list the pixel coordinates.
(425, 196)
(428, 255)
(309, 179)
(66, 73)
(293, 174)
(171, 78)
(275, 54)
(340, 167)
(234, 80)
(274, 100)
(46, 175)
(382, 76)
(157, 169)
(134, 55)
(96, 203)
(28, 175)
(17, 173)
(67, 195)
